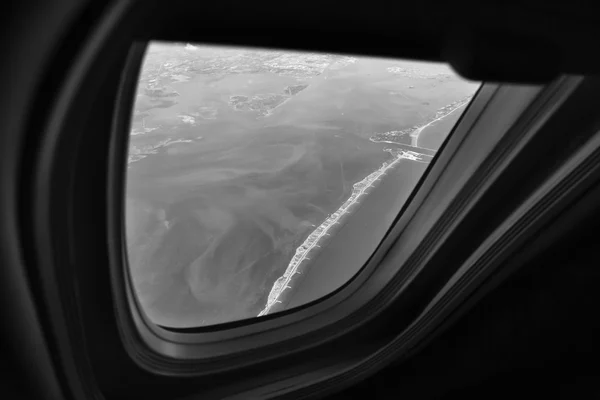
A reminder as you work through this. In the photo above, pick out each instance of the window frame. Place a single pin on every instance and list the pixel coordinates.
(261, 333)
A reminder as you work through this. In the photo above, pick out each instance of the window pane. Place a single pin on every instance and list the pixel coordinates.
(261, 180)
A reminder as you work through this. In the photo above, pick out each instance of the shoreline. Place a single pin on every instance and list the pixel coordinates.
(415, 131)
(359, 188)
(312, 241)
(414, 136)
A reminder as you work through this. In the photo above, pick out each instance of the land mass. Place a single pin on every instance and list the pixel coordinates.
(411, 135)
(264, 104)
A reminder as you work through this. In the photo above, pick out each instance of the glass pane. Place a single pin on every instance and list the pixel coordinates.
(261, 180)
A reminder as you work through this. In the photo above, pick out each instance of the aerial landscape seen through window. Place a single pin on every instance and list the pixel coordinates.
(261, 180)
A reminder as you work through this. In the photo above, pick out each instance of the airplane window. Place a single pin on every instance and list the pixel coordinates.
(260, 180)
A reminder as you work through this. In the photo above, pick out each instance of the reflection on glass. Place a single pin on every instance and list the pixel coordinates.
(261, 180)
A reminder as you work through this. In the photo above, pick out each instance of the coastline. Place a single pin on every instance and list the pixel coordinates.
(415, 131)
(359, 188)
(312, 241)
(414, 135)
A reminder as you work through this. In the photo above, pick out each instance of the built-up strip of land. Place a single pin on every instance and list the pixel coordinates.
(413, 132)
(359, 188)
(312, 241)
